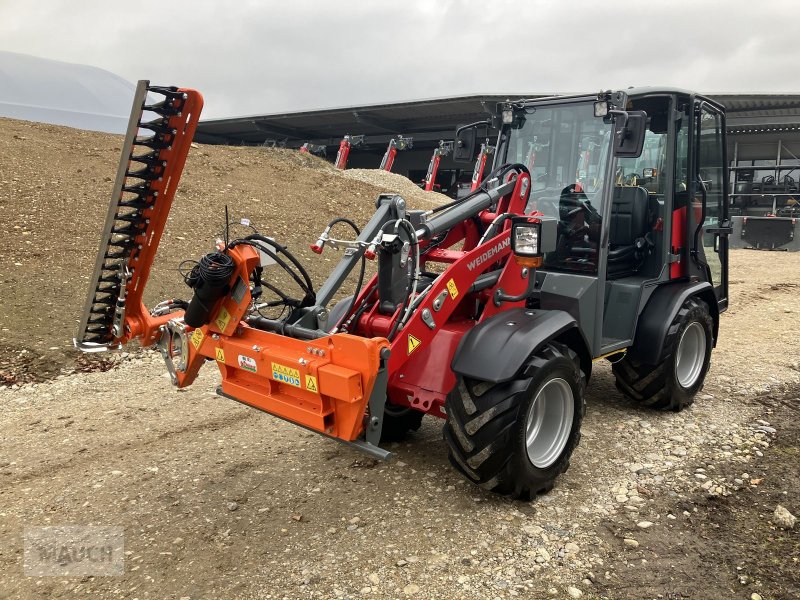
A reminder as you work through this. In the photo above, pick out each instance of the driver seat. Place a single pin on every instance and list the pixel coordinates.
(630, 241)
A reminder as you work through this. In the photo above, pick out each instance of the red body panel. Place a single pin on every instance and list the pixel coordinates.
(678, 269)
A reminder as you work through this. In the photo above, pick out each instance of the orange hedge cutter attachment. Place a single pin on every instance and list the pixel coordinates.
(323, 384)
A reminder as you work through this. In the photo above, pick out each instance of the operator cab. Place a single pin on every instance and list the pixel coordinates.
(628, 218)
(566, 148)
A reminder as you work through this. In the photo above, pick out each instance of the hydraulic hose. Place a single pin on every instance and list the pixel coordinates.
(361, 272)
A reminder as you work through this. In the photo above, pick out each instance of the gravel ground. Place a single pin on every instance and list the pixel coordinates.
(218, 500)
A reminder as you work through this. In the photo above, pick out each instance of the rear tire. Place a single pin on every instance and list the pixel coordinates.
(680, 372)
(514, 438)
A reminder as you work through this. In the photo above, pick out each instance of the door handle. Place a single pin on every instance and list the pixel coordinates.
(724, 229)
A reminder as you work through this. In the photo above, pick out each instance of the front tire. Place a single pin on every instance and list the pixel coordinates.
(680, 372)
(515, 437)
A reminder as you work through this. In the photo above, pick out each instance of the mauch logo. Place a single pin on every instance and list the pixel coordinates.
(247, 363)
(73, 550)
(478, 261)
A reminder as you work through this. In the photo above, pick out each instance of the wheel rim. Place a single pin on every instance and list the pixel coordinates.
(691, 355)
(549, 422)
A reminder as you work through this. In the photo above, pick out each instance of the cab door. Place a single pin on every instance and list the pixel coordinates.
(709, 224)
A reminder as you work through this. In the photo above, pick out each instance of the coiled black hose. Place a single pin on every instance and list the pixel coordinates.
(209, 278)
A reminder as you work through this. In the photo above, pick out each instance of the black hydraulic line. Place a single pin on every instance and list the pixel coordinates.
(266, 249)
(456, 202)
(472, 206)
(413, 285)
(496, 174)
(295, 331)
(365, 305)
(289, 255)
(344, 220)
(361, 272)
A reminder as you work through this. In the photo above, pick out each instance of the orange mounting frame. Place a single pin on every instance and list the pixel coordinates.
(324, 384)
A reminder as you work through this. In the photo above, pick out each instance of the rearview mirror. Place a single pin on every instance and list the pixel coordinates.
(466, 140)
(629, 130)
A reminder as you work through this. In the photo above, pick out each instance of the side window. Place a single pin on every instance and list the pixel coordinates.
(682, 162)
(710, 166)
(711, 171)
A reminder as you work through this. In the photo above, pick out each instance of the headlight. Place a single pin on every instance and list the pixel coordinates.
(601, 108)
(526, 242)
(525, 239)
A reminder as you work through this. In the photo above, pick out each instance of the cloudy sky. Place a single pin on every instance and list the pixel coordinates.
(251, 57)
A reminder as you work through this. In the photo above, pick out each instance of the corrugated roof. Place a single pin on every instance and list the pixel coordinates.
(426, 120)
(429, 120)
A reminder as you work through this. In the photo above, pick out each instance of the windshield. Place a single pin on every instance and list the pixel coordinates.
(566, 149)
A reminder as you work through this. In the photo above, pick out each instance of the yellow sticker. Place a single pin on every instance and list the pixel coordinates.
(451, 287)
(286, 374)
(220, 354)
(413, 343)
(197, 338)
(311, 383)
(223, 318)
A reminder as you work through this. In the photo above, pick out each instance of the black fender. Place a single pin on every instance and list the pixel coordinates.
(659, 312)
(497, 349)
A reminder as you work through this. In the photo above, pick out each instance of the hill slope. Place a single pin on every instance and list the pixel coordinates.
(55, 184)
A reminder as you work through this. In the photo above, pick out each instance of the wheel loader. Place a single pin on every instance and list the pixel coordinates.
(487, 311)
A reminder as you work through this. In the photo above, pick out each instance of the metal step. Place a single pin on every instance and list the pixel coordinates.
(149, 163)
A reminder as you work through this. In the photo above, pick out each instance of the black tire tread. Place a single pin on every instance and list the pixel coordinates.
(652, 385)
(481, 429)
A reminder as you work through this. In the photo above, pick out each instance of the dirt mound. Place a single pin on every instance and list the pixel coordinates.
(55, 184)
(399, 184)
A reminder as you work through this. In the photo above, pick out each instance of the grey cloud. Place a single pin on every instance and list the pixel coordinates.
(257, 57)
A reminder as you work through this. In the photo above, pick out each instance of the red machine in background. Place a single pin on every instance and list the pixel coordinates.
(318, 149)
(443, 149)
(480, 165)
(395, 145)
(348, 142)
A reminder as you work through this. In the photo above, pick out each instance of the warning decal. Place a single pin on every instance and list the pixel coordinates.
(413, 343)
(220, 354)
(222, 319)
(285, 374)
(451, 287)
(311, 383)
(197, 338)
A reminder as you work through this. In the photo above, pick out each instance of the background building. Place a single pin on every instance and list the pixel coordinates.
(763, 148)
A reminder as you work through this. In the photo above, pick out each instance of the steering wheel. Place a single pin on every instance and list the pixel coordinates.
(630, 178)
(585, 206)
(594, 215)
